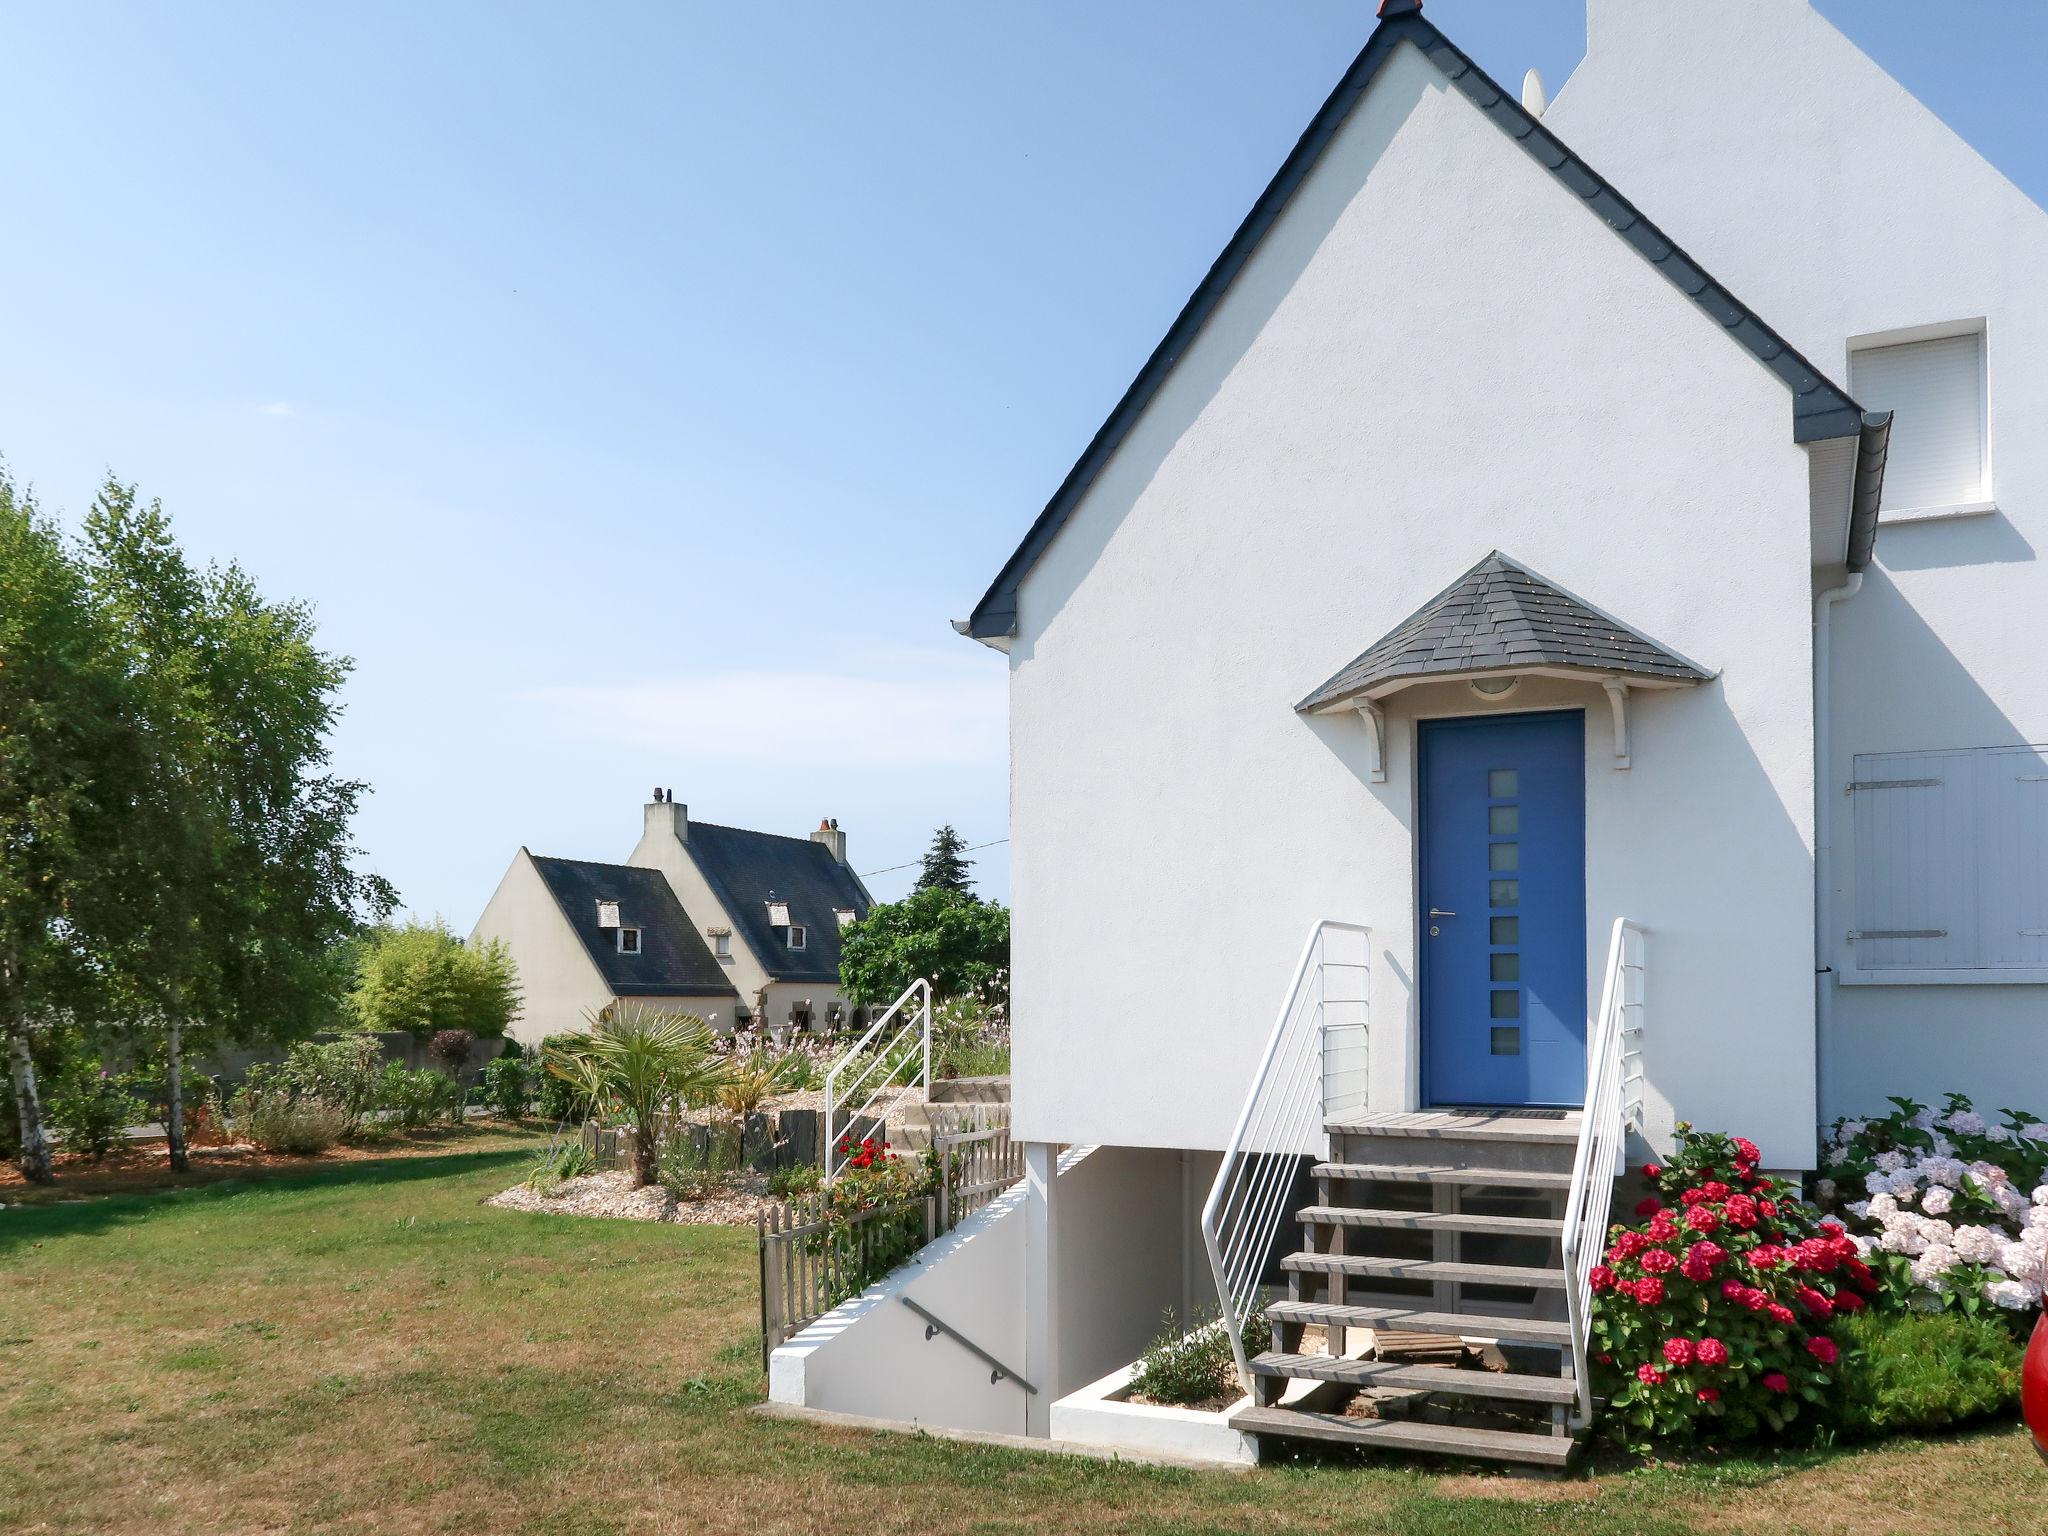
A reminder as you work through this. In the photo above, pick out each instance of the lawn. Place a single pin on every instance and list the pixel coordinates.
(366, 1348)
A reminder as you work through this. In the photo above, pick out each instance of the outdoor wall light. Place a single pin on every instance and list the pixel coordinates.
(1495, 687)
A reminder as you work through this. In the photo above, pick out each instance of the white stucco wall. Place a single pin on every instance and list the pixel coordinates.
(1838, 206)
(1436, 352)
(558, 984)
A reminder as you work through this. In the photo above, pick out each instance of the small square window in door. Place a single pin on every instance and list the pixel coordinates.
(1507, 1040)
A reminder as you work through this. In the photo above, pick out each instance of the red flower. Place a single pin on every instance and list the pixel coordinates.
(1766, 1256)
(1662, 1228)
(1652, 1171)
(1780, 1313)
(1626, 1247)
(1860, 1273)
(1602, 1277)
(1658, 1262)
(1708, 1394)
(1649, 1375)
(1711, 1352)
(1649, 1207)
(1815, 1303)
(1848, 1301)
(1678, 1351)
(1716, 1190)
(1650, 1292)
(1604, 1358)
(1696, 1270)
(1769, 1209)
(1692, 1197)
(1747, 1150)
(1755, 1299)
(1733, 1290)
(1741, 1211)
(1776, 1382)
(1703, 1219)
(1822, 1349)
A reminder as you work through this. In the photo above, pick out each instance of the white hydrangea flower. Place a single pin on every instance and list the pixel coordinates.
(1943, 1147)
(1989, 1174)
(2041, 1194)
(1945, 1171)
(1966, 1122)
(2011, 1201)
(2035, 1130)
(2020, 1262)
(1881, 1205)
(1860, 1209)
(1905, 1184)
(1938, 1201)
(1824, 1190)
(1836, 1156)
(1889, 1162)
(2013, 1295)
(1923, 1120)
(1931, 1268)
(1979, 1245)
(1879, 1183)
(1997, 1133)
(1851, 1129)
(1937, 1234)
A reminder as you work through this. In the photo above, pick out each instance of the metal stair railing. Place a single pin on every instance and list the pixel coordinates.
(1315, 1065)
(1614, 1106)
(868, 1070)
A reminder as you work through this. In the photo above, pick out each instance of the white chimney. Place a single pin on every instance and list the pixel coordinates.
(834, 840)
(1535, 100)
(663, 814)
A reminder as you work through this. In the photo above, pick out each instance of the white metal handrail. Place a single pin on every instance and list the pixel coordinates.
(1614, 1107)
(1315, 1065)
(909, 1045)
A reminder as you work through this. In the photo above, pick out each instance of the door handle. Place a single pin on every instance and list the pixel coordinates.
(1439, 912)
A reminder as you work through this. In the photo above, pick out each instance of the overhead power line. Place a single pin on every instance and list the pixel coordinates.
(915, 862)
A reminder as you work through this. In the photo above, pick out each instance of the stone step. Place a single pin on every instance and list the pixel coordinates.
(1432, 1221)
(1469, 1325)
(1431, 1125)
(1540, 1450)
(1507, 1385)
(1436, 1173)
(1424, 1269)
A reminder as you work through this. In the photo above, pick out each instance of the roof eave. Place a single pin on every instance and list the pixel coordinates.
(1386, 687)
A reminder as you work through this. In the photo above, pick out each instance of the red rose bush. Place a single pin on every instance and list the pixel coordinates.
(1711, 1310)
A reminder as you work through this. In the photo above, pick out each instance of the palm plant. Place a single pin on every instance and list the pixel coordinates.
(638, 1061)
(755, 1078)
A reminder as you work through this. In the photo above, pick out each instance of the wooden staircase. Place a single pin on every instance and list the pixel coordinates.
(1425, 1310)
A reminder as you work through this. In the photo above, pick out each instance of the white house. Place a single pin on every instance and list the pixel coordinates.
(736, 926)
(1570, 562)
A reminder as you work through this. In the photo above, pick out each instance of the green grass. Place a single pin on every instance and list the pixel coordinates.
(370, 1349)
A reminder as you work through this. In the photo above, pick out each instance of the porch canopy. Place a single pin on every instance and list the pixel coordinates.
(1501, 619)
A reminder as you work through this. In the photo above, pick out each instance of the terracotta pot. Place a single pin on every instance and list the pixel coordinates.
(2034, 1386)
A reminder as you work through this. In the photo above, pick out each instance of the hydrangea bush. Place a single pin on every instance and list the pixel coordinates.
(1711, 1310)
(1951, 1209)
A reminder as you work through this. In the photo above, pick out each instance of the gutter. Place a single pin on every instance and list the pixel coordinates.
(1823, 828)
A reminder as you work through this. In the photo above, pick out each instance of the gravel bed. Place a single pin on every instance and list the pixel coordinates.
(612, 1194)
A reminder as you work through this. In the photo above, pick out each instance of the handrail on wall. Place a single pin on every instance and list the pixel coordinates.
(934, 1324)
(888, 1060)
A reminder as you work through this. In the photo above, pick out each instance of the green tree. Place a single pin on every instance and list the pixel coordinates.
(638, 1061)
(68, 759)
(236, 850)
(945, 864)
(422, 979)
(957, 943)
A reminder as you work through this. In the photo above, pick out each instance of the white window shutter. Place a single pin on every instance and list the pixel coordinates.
(2014, 900)
(1936, 391)
(1916, 846)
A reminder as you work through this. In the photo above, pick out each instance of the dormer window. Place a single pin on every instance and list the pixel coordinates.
(798, 936)
(845, 915)
(607, 914)
(778, 913)
(629, 941)
(721, 943)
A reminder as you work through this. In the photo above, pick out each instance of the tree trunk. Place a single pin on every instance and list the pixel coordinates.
(643, 1153)
(35, 1143)
(174, 1091)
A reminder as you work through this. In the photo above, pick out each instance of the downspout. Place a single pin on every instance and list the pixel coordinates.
(1823, 829)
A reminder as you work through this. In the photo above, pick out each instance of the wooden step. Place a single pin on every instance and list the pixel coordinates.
(1541, 1450)
(1424, 1269)
(1432, 1221)
(1436, 1125)
(1470, 1325)
(1398, 1173)
(1427, 1378)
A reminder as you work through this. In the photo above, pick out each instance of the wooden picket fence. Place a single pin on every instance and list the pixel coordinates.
(811, 1262)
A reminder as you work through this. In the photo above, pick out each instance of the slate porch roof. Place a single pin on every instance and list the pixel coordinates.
(1500, 616)
(674, 960)
(745, 868)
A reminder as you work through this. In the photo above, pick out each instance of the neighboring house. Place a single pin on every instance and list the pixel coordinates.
(737, 927)
(1538, 519)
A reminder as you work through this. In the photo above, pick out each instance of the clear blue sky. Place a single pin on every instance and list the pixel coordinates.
(637, 390)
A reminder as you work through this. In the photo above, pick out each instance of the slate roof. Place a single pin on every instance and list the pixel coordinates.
(674, 960)
(1820, 408)
(745, 868)
(1501, 614)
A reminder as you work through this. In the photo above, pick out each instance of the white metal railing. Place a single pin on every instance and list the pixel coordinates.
(1314, 1066)
(868, 1070)
(1614, 1107)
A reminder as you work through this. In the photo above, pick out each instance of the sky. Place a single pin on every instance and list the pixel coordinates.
(637, 390)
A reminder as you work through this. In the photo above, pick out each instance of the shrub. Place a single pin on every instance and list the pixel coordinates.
(197, 1092)
(421, 978)
(796, 1179)
(412, 1098)
(1907, 1372)
(1955, 1212)
(508, 1086)
(1194, 1365)
(971, 1035)
(450, 1047)
(559, 1163)
(558, 1098)
(637, 1062)
(92, 1110)
(280, 1122)
(343, 1073)
(1711, 1313)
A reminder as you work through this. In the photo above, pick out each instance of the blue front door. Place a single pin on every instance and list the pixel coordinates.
(1502, 918)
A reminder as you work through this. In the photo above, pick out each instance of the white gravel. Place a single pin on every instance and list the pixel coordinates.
(612, 1194)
